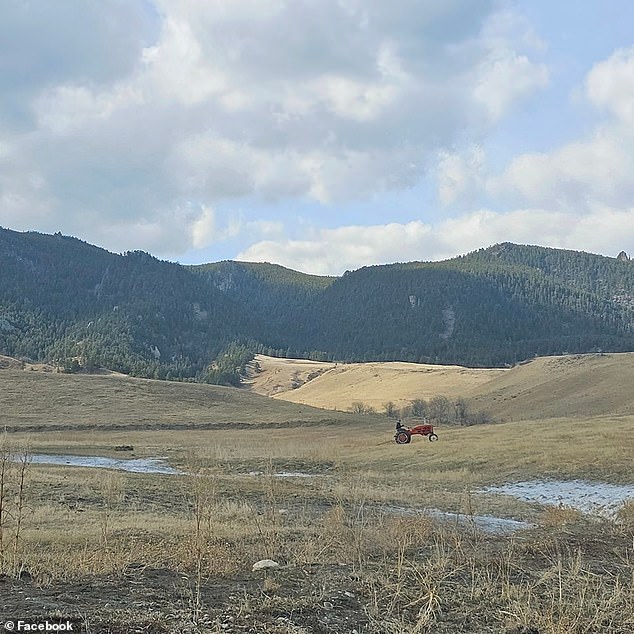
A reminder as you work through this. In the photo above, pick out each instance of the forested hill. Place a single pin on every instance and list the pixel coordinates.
(65, 301)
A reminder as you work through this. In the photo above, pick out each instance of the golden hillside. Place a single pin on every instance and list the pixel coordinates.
(563, 386)
(337, 386)
(270, 375)
(46, 400)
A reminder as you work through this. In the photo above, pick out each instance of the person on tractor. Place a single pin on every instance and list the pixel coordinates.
(399, 425)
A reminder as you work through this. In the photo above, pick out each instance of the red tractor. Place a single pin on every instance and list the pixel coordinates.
(404, 434)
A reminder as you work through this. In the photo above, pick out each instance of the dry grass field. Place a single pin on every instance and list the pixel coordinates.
(327, 495)
(270, 375)
(338, 386)
(564, 386)
(548, 387)
(45, 400)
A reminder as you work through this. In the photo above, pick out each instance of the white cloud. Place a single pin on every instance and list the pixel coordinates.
(507, 75)
(331, 251)
(47, 44)
(177, 67)
(68, 108)
(506, 26)
(334, 250)
(610, 85)
(505, 78)
(141, 110)
(585, 174)
(203, 228)
(577, 175)
(460, 175)
(213, 167)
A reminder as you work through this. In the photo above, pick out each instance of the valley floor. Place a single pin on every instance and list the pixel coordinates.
(370, 537)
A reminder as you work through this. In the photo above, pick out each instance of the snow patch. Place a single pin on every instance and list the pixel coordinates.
(595, 498)
(485, 523)
(135, 465)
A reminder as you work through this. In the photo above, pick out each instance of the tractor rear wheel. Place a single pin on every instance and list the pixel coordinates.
(403, 437)
(432, 437)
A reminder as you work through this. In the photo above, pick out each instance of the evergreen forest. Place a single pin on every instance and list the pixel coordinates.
(80, 307)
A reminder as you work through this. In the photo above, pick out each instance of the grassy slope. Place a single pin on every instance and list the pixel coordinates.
(566, 386)
(271, 375)
(377, 383)
(549, 387)
(38, 399)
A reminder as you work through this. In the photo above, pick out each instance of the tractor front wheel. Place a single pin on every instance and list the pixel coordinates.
(432, 437)
(403, 437)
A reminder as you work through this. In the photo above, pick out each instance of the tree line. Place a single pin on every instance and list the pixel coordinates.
(67, 302)
(438, 410)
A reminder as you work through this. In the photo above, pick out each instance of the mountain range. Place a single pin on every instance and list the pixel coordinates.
(67, 302)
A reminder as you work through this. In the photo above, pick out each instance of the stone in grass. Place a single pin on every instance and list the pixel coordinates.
(265, 564)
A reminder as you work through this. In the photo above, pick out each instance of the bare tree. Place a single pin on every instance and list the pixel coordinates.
(359, 407)
(439, 409)
(419, 408)
(390, 409)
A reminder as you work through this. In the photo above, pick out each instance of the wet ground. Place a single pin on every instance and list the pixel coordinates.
(484, 523)
(595, 498)
(131, 465)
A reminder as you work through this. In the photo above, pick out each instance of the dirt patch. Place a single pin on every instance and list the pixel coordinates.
(319, 599)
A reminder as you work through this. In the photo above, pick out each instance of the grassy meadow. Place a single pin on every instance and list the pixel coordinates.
(119, 552)
(36, 401)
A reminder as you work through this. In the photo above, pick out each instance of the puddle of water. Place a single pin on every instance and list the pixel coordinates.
(134, 465)
(485, 523)
(596, 498)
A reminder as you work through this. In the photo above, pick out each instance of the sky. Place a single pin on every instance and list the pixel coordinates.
(323, 135)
